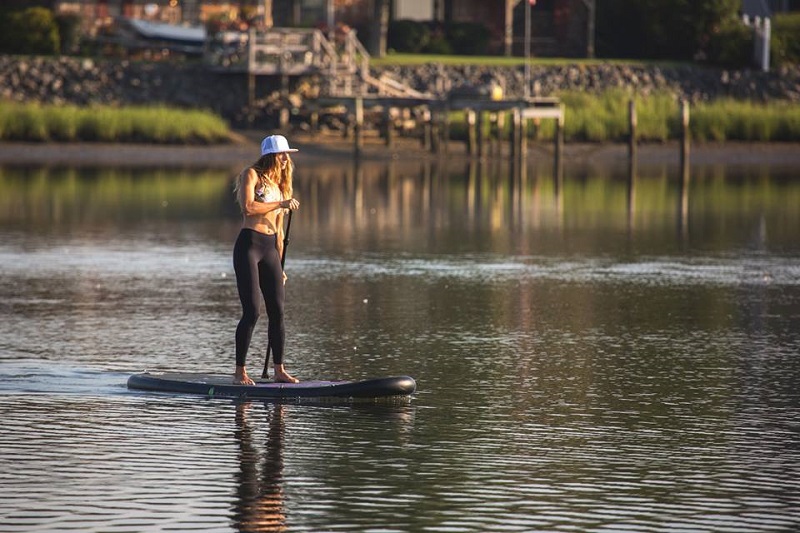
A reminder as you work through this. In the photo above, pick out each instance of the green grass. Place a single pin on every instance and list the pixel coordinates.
(495, 61)
(605, 118)
(731, 120)
(158, 124)
(588, 118)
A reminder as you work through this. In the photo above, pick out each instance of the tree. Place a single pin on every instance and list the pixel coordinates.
(661, 29)
(380, 28)
(30, 31)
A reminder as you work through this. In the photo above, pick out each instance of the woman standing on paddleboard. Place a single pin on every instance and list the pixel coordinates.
(264, 193)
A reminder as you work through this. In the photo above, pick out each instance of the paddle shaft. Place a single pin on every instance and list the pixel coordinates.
(264, 373)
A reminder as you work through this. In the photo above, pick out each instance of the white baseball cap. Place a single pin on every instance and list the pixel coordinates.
(275, 144)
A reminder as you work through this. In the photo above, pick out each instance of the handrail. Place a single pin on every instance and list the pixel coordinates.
(298, 51)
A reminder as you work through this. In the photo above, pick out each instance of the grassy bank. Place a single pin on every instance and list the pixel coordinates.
(33, 122)
(605, 118)
(401, 59)
(589, 118)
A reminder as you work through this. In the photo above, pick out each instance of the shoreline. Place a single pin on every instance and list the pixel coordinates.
(244, 149)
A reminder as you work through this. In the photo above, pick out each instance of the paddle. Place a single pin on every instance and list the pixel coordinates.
(264, 373)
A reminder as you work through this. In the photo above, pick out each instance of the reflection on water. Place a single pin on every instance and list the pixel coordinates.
(260, 505)
(592, 353)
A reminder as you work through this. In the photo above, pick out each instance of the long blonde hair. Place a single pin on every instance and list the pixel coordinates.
(268, 169)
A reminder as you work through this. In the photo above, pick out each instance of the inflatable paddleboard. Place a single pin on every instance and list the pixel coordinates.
(212, 385)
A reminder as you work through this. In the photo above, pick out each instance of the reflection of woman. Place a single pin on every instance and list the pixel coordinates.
(264, 193)
(260, 503)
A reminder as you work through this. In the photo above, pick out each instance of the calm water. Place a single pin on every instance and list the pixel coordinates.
(590, 356)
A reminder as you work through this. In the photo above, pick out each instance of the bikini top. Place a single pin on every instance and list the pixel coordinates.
(268, 192)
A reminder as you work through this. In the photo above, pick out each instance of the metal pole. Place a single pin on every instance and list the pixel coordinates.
(330, 21)
(527, 91)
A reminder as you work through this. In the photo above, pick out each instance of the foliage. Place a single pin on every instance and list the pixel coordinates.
(468, 38)
(396, 58)
(69, 31)
(33, 122)
(661, 29)
(462, 38)
(408, 36)
(731, 46)
(29, 31)
(785, 46)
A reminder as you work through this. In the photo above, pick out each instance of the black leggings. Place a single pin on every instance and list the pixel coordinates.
(257, 264)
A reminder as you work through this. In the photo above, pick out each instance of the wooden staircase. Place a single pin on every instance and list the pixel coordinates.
(341, 65)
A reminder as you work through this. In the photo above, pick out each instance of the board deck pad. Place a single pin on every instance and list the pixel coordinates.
(216, 385)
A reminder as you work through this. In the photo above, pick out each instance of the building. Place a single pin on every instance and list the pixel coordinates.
(559, 27)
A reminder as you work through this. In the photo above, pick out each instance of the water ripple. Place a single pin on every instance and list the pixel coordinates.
(721, 271)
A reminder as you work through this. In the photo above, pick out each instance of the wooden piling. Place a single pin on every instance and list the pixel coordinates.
(516, 125)
(523, 139)
(445, 128)
(314, 123)
(359, 112)
(683, 203)
(388, 127)
(479, 133)
(471, 133)
(427, 131)
(559, 142)
(632, 162)
(251, 89)
(685, 136)
(436, 133)
(499, 133)
(633, 123)
(283, 116)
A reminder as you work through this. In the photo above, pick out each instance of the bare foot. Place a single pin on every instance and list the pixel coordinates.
(284, 377)
(240, 377)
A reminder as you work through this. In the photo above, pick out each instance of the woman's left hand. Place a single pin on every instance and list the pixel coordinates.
(291, 203)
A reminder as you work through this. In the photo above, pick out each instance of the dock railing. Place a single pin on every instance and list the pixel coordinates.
(342, 62)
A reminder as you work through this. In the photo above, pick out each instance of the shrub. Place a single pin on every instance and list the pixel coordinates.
(785, 45)
(438, 44)
(408, 36)
(69, 30)
(30, 31)
(468, 38)
(732, 45)
(462, 38)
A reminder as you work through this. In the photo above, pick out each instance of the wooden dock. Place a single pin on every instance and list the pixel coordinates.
(348, 88)
(435, 116)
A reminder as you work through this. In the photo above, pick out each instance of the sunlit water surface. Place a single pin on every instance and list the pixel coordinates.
(588, 359)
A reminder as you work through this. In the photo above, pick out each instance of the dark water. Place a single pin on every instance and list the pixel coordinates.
(590, 356)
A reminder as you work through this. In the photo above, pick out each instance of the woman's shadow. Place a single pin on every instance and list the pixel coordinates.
(260, 499)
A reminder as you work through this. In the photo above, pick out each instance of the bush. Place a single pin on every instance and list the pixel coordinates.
(69, 30)
(408, 36)
(785, 45)
(438, 43)
(468, 38)
(732, 46)
(462, 38)
(30, 31)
